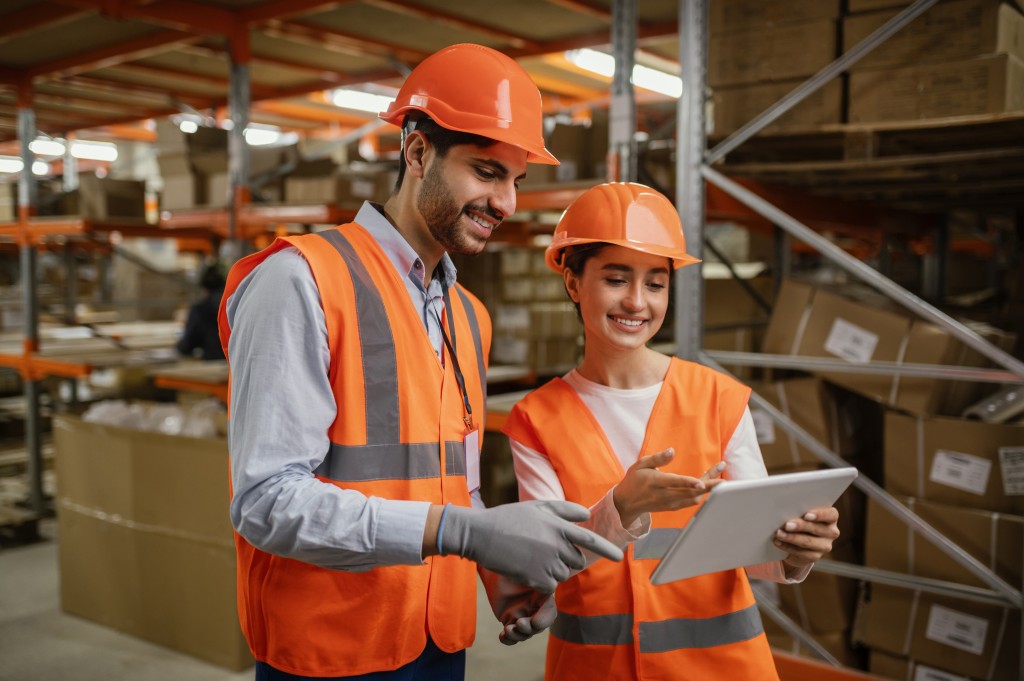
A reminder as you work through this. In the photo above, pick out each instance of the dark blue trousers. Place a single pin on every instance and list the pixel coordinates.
(433, 664)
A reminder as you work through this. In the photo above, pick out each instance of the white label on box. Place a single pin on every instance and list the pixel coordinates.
(922, 673)
(957, 629)
(962, 471)
(1011, 459)
(764, 426)
(851, 342)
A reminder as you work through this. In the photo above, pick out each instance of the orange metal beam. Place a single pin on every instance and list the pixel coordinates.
(108, 84)
(185, 15)
(795, 668)
(218, 390)
(310, 113)
(111, 54)
(305, 67)
(34, 17)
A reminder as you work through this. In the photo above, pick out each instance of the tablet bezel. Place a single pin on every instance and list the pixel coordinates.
(735, 525)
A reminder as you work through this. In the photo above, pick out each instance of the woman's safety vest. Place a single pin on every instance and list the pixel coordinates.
(399, 435)
(612, 622)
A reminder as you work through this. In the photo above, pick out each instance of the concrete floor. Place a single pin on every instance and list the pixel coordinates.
(38, 642)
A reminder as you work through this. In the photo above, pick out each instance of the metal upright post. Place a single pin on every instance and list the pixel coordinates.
(622, 125)
(239, 100)
(691, 145)
(27, 199)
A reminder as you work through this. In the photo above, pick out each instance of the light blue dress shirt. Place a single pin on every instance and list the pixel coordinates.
(282, 405)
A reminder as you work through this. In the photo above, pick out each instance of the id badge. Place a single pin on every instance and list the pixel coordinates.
(471, 444)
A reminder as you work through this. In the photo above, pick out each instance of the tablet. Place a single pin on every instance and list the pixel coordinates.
(736, 524)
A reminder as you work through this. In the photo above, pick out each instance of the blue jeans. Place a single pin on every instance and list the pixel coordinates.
(433, 664)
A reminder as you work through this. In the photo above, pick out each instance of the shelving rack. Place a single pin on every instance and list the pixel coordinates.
(695, 167)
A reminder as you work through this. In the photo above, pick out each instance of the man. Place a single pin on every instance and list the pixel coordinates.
(357, 400)
(201, 333)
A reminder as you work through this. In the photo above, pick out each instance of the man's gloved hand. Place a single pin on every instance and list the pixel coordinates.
(535, 543)
(523, 611)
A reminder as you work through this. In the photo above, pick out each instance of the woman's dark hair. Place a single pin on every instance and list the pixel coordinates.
(440, 138)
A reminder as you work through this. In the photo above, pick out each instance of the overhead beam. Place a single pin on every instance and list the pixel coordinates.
(281, 9)
(320, 72)
(334, 39)
(111, 55)
(184, 15)
(455, 21)
(311, 113)
(585, 7)
(34, 17)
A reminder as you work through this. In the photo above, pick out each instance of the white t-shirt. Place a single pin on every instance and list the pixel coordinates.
(629, 410)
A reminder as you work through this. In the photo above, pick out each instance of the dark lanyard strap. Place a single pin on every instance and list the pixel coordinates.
(450, 344)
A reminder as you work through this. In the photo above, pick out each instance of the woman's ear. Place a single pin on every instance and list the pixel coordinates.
(572, 284)
(415, 151)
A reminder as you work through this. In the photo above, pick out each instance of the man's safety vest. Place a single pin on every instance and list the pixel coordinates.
(399, 435)
(612, 622)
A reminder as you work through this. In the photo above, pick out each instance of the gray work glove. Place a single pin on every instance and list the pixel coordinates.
(535, 543)
(522, 611)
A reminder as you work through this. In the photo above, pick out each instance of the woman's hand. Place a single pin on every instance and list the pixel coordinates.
(645, 489)
(809, 538)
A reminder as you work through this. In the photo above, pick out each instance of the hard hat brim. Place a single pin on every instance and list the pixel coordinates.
(552, 256)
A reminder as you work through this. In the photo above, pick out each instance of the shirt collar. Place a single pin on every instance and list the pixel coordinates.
(400, 253)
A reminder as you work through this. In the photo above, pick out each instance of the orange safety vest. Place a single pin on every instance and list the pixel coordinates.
(612, 622)
(399, 435)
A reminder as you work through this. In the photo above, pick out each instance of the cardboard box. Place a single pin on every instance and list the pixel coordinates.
(580, 149)
(736, 106)
(995, 539)
(947, 32)
(786, 52)
(835, 642)
(955, 461)
(969, 638)
(820, 322)
(985, 85)
(107, 199)
(805, 401)
(537, 320)
(854, 6)
(896, 667)
(146, 546)
(730, 15)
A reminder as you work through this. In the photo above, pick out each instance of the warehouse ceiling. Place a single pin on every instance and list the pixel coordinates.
(104, 65)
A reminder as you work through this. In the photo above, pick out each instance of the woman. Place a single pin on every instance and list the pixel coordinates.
(650, 434)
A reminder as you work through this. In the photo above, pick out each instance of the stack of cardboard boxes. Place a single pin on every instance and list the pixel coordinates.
(961, 476)
(959, 58)
(534, 324)
(760, 50)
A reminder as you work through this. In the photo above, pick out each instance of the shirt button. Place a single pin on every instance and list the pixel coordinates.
(418, 265)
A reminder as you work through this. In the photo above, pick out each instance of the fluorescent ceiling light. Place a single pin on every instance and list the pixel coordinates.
(643, 76)
(46, 147)
(13, 164)
(259, 136)
(10, 164)
(94, 151)
(188, 126)
(359, 100)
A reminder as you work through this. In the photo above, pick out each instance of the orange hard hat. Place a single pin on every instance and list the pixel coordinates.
(474, 89)
(624, 214)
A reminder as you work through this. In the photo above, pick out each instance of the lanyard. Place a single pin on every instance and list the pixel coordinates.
(450, 344)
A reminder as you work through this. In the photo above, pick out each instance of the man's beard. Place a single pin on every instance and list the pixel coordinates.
(441, 212)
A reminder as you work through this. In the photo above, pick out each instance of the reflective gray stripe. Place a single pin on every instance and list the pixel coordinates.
(380, 366)
(474, 324)
(365, 463)
(596, 630)
(656, 543)
(659, 637)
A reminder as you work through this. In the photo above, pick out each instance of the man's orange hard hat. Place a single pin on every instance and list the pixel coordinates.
(474, 89)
